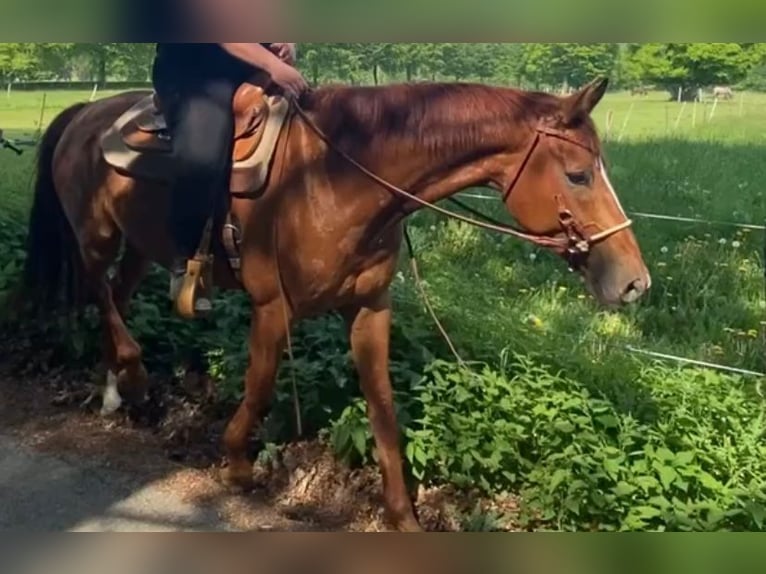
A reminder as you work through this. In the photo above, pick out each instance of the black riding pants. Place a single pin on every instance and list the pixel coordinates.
(198, 109)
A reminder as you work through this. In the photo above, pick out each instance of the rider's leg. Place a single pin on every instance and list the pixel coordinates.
(202, 125)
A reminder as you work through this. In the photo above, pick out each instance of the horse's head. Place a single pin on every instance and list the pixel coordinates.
(561, 189)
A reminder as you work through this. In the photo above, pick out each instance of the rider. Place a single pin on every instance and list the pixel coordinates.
(196, 84)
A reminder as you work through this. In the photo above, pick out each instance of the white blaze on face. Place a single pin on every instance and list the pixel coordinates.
(602, 170)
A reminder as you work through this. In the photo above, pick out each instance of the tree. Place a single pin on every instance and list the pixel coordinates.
(686, 68)
(18, 61)
(550, 65)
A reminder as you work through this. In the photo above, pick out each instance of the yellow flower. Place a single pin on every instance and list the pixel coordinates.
(536, 322)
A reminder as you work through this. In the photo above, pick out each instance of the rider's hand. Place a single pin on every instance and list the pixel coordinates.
(289, 79)
(284, 51)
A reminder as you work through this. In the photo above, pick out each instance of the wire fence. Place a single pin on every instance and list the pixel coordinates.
(656, 216)
(665, 357)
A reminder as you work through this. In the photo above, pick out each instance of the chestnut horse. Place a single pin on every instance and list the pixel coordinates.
(326, 233)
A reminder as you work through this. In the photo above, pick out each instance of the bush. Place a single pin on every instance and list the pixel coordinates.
(695, 461)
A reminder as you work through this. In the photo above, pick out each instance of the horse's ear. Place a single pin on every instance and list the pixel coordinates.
(583, 102)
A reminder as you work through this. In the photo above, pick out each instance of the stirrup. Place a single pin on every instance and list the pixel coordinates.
(195, 297)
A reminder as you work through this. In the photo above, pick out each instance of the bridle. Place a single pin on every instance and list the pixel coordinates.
(572, 242)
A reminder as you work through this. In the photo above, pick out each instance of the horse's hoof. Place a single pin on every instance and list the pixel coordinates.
(405, 524)
(410, 526)
(238, 479)
(133, 385)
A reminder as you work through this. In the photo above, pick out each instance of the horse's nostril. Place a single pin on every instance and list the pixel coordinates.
(634, 291)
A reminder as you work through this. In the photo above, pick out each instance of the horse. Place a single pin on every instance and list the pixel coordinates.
(326, 232)
(639, 90)
(723, 93)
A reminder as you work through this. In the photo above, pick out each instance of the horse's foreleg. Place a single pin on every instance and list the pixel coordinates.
(370, 331)
(267, 342)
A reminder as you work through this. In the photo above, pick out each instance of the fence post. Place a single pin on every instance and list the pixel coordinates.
(609, 122)
(694, 114)
(680, 114)
(625, 123)
(712, 110)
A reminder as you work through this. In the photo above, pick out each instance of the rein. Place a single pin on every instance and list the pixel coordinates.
(574, 244)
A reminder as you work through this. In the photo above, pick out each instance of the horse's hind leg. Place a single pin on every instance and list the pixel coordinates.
(126, 375)
(132, 269)
(131, 378)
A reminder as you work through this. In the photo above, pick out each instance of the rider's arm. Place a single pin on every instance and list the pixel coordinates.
(282, 74)
(255, 55)
(286, 51)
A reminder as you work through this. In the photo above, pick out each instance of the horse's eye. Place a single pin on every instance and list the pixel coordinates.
(579, 178)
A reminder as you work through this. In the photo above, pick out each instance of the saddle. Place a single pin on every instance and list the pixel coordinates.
(139, 143)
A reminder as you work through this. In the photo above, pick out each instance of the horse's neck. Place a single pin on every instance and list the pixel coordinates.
(436, 174)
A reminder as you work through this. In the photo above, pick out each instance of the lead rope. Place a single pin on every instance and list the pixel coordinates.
(286, 303)
(541, 240)
(426, 300)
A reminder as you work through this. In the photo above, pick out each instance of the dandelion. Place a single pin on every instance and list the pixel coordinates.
(533, 257)
(662, 264)
(664, 250)
(736, 244)
(722, 241)
(536, 322)
(752, 333)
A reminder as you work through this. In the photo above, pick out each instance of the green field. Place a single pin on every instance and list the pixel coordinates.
(591, 435)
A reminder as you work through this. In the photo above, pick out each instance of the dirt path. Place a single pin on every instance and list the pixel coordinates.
(64, 467)
(45, 493)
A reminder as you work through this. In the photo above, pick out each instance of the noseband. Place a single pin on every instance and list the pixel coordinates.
(572, 242)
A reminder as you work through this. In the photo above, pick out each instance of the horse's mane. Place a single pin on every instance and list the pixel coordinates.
(431, 116)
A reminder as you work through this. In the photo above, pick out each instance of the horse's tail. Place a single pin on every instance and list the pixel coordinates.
(53, 274)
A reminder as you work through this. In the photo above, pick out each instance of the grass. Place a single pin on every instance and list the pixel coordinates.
(502, 299)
